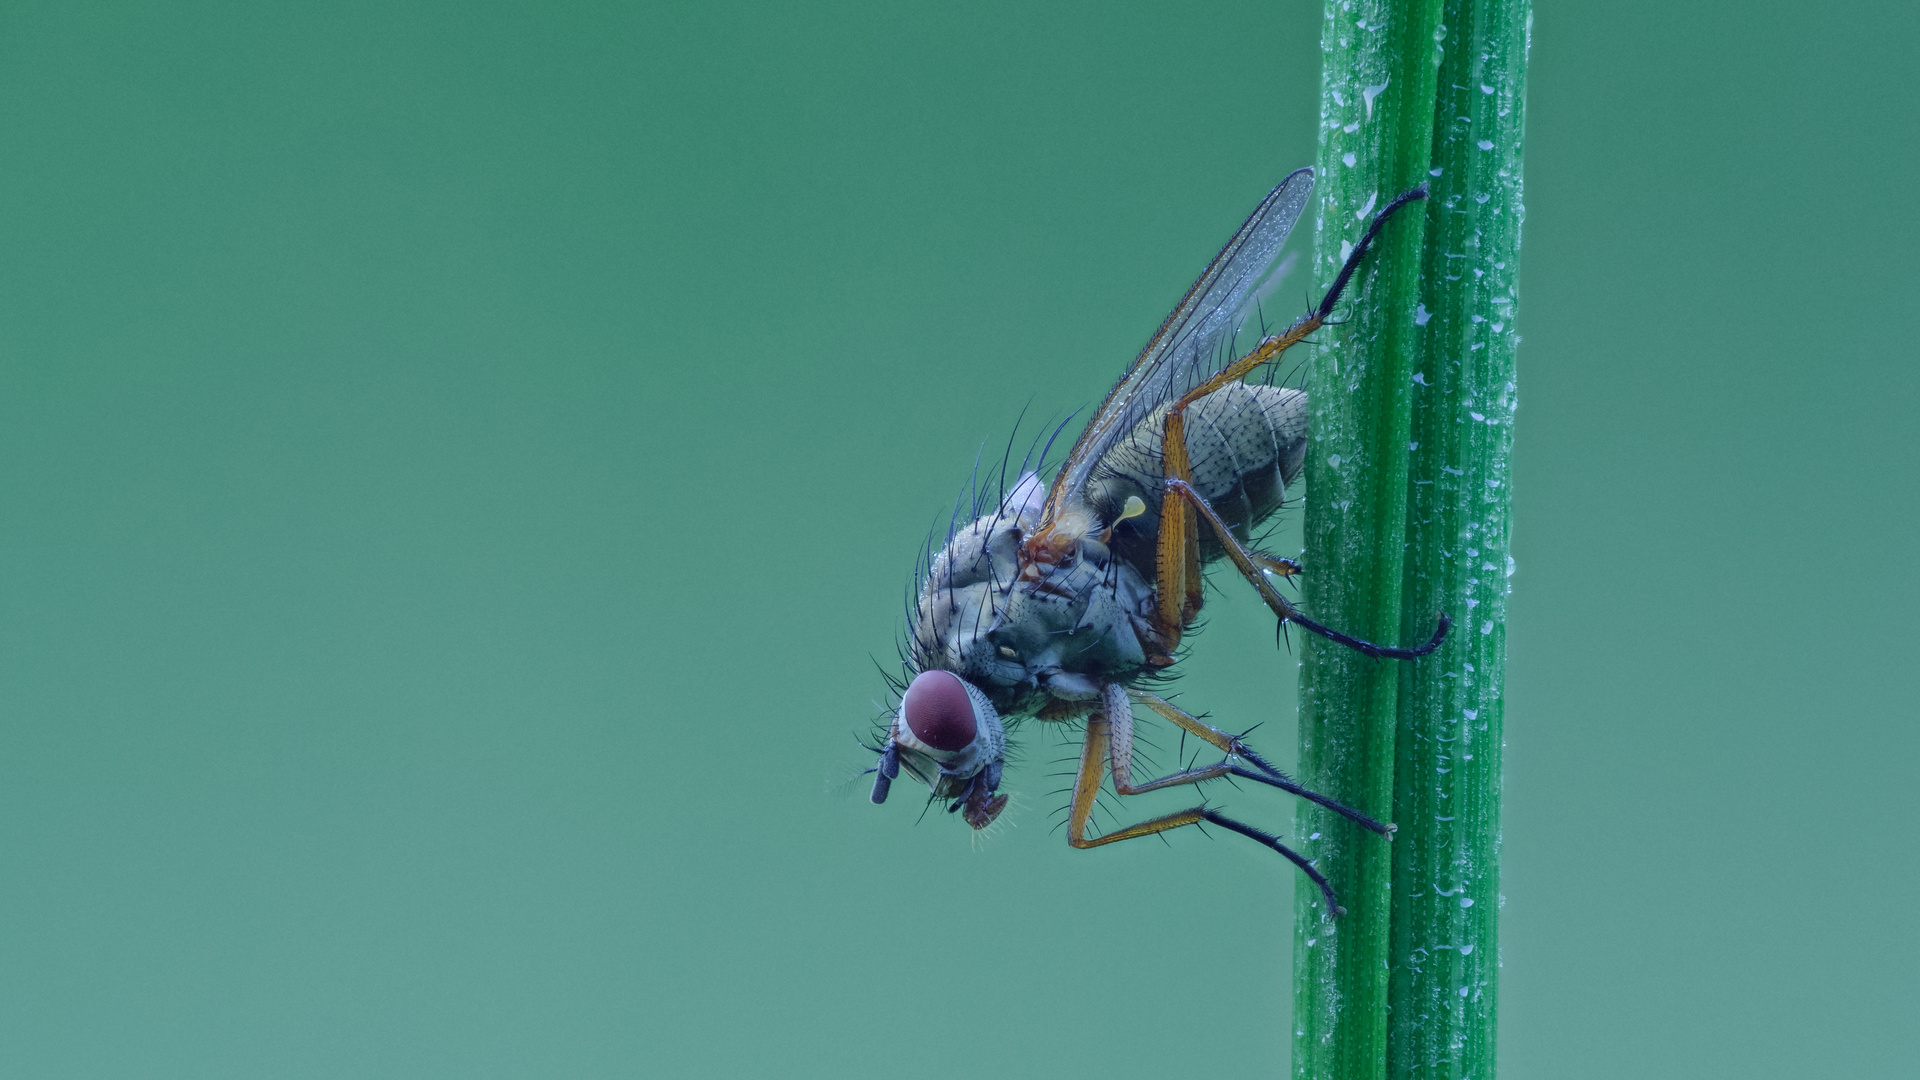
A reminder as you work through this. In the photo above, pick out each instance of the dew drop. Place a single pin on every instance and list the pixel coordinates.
(1367, 95)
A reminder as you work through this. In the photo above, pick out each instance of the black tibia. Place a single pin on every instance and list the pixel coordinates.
(1263, 774)
(1383, 652)
(1272, 841)
(1359, 252)
(1273, 777)
(1234, 746)
(885, 772)
(1280, 605)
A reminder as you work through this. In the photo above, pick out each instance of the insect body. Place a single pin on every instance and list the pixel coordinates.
(1063, 599)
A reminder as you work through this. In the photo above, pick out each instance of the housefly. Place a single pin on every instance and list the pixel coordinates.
(1068, 597)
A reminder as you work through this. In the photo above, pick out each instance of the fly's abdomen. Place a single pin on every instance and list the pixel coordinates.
(1245, 444)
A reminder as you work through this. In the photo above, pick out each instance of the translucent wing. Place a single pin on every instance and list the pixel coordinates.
(1183, 352)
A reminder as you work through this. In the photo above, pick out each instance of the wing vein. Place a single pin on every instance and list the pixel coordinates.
(1180, 353)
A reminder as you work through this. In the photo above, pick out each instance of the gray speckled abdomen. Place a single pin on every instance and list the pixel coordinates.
(1245, 443)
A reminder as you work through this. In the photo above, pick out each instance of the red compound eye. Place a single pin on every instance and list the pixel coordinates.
(938, 711)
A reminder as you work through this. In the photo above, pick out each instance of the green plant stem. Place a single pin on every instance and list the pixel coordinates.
(1445, 954)
(1375, 138)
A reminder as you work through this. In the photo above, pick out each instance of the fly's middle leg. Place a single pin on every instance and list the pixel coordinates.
(1179, 490)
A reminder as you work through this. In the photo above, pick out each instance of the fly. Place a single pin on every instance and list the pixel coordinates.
(1067, 596)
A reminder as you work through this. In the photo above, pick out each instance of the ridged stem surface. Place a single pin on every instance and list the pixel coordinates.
(1445, 954)
(1376, 135)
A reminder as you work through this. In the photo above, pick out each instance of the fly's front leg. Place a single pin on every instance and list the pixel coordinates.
(1177, 572)
(1101, 748)
(1244, 561)
(1270, 349)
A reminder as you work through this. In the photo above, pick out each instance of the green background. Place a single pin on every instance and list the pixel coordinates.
(457, 465)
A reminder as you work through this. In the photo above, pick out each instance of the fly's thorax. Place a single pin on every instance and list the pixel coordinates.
(1027, 613)
(1079, 620)
(1057, 637)
(1057, 544)
(967, 581)
(986, 551)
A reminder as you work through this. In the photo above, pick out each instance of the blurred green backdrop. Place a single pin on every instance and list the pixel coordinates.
(457, 463)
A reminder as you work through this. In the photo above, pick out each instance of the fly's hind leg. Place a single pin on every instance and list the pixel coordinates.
(1178, 490)
(1109, 742)
(1178, 561)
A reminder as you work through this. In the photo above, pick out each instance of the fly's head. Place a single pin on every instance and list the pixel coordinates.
(947, 735)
